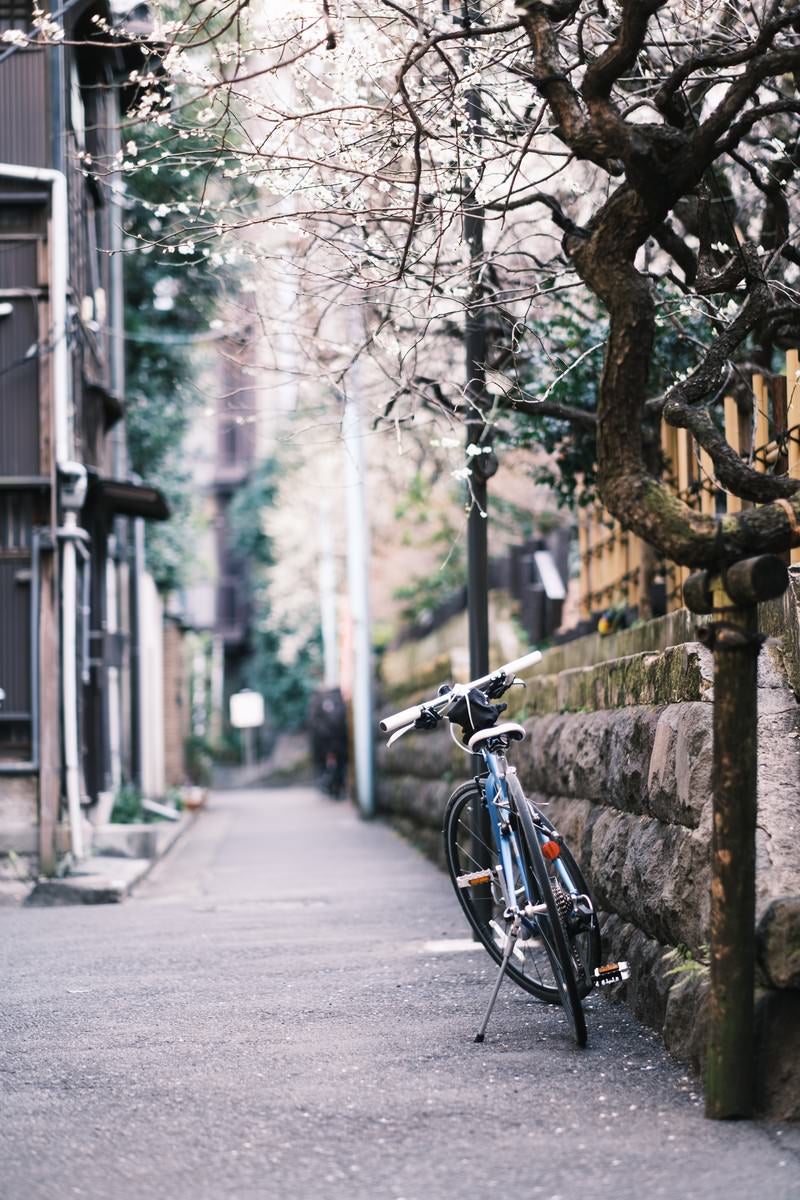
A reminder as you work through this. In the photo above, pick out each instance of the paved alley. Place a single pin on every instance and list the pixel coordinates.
(286, 1009)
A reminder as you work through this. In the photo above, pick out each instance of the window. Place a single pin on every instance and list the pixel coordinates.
(15, 14)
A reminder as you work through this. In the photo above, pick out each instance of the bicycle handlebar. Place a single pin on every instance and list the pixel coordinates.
(407, 717)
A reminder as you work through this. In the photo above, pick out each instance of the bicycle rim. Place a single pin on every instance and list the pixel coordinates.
(566, 968)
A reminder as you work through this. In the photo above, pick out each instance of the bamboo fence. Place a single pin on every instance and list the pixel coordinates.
(768, 437)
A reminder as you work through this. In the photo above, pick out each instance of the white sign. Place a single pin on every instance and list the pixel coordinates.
(550, 575)
(247, 709)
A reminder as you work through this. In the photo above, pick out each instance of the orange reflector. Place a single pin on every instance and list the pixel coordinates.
(551, 850)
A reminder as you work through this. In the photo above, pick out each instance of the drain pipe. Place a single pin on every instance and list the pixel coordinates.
(71, 475)
(73, 539)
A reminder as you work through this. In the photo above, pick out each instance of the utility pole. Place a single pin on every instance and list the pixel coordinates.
(358, 581)
(482, 466)
(475, 347)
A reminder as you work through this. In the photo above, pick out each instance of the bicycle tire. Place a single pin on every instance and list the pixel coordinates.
(553, 929)
(534, 972)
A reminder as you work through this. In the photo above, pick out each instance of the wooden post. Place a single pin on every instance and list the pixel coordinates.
(761, 401)
(735, 642)
(734, 439)
(682, 439)
(730, 1060)
(620, 566)
(708, 499)
(646, 557)
(583, 556)
(779, 425)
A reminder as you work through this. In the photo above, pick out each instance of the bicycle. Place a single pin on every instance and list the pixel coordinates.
(518, 884)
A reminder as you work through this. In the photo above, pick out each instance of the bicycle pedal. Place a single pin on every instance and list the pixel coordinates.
(475, 878)
(616, 972)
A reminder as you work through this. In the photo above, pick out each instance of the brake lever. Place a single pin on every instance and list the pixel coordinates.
(399, 733)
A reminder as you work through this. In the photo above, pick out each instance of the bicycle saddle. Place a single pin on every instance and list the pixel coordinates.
(508, 729)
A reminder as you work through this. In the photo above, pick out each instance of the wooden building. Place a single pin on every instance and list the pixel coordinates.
(71, 536)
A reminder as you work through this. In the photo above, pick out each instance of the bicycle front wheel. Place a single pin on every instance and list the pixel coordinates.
(469, 852)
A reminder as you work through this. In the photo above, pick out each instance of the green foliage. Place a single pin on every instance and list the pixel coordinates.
(171, 297)
(541, 362)
(685, 965)
(287, 685)
(551, 366)
(286, 681)
(199, 760)
(127, 809)
(174, 797)
(248, 512)
(425, 592)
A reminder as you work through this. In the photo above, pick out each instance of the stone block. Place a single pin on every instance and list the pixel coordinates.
(778, 942)
(572, 818)
(677, 674)
(426, 754)
(126, 841)
(651, 874)
(631, 735)
(539, 761)
(778, 833)
(679, 779)
(584, 749)
(420, 801)
(778, 1054)
(685, 1029)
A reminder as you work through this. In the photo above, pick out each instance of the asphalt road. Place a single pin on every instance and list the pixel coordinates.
(286, 1009)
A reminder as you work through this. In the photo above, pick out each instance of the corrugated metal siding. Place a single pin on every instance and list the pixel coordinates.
(19, 391)
(15, 620)
(24, 127)
(17, 263)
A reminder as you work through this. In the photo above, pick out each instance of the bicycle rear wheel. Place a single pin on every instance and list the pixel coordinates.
(567, 968)
(468, 852)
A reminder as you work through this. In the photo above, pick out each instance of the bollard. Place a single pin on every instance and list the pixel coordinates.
(735, 642)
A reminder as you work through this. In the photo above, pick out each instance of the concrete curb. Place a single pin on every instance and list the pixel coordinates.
(105, 878)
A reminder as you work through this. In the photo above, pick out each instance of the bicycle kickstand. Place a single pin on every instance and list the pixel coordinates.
(511, 941)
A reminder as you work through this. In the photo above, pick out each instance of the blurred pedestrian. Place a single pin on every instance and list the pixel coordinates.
(327, 723)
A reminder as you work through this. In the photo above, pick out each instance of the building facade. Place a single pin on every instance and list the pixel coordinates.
(73, 591)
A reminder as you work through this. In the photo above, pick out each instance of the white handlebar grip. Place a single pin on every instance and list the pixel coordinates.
(397, 720)
(519, 664)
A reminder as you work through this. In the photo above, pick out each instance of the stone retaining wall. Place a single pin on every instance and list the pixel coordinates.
(620, 755)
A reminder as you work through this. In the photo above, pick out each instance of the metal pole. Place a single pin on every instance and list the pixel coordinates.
(475, 344)
(358, 580)
(475, 347)
(137, 733)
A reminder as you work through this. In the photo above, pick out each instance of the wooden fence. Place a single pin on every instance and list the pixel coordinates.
(768, 437)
